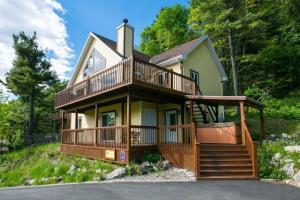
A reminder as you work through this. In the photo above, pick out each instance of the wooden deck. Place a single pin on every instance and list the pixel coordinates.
(131, 71)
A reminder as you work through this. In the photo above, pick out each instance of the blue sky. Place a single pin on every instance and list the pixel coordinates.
(103, 17)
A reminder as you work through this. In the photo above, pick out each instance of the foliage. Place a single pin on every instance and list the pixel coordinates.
(168, 30)
(133, 168)
(269, 167)
(45, 164)
(30, 73)
(151, 157)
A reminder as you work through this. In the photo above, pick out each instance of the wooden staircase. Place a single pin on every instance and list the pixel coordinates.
(200, 116)
(225, 161)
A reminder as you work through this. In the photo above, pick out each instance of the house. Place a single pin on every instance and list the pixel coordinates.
(121, 103)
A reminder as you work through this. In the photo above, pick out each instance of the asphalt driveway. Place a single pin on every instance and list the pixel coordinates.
(206, 190)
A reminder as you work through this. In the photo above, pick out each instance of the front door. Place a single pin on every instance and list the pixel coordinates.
(171, 120)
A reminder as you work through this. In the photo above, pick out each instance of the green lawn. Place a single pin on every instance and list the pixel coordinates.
(45, 164)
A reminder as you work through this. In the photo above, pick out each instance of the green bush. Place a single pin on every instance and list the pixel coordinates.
(151, 157)
(133, 169)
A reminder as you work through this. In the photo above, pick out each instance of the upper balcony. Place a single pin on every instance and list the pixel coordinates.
(130, 71)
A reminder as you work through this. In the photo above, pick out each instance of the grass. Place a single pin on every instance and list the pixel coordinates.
(45, 165)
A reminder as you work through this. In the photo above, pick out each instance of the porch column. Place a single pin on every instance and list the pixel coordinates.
(96, 124)
(128, 125)
(262, 123)
(157, 121)
(76, 125)
(191, 111)
(242, 114)
(62, 126)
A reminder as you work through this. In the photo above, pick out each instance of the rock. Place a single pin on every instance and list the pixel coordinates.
(284, 135)
(71, 169)
(296, 177)
(277, 156)
(295, 148)
(146, 164)
(166, 164)
(117, 173)
(288, 160)
(29, 182)
(289, 169)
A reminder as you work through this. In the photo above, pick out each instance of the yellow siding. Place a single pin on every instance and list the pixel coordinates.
(201, 61)
(111, 57)
(175, 67)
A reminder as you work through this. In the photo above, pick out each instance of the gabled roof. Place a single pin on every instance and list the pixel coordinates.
(113, 45)
(174, 52)
(181, 52)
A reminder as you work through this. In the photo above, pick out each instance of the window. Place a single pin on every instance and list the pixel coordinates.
(163, 78)
(79, 122)
(95, 62)
(195, 76)
(108, 119)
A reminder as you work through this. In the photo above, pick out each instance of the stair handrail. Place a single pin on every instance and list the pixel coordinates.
(251, 147)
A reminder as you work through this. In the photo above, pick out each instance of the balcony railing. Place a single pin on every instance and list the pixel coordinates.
(128, 71)
(116, 136)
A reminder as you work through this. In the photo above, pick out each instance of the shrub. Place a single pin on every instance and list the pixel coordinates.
(151, 157)
(133, 169)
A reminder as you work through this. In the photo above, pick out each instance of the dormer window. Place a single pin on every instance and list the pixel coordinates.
(95, 62)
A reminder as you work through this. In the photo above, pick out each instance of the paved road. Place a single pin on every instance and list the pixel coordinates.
(218, 190)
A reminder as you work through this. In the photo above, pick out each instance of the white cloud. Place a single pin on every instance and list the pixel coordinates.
(42, 16)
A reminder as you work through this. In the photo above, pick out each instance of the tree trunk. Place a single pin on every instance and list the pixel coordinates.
(234, 71)
(31, 119)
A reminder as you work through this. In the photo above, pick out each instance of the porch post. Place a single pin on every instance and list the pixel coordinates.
(128, 125)
(62, 126)
(76, 125)
(191, 111)
(262, 123)
(96, 124)
(157, 121)
(242, 113)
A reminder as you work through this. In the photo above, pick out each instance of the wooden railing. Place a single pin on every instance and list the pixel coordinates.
(112, 137)
(116, 136)
(251, 146)
(126, 72)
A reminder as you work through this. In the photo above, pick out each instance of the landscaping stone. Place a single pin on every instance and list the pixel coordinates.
(296, 177)
(29, 182)
(289, 169)
(117, 173)
(288, 160)
(277, 156)
(71, 169)
(146, 164)
(284, 135)
(291, 149)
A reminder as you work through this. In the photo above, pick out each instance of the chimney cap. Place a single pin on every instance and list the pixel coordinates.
(125, 20)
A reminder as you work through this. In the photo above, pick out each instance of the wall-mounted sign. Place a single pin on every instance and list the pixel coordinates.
(110, 154)
(122, 156)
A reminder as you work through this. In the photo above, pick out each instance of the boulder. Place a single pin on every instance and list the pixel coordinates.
(296, 177)
(289, 169)
(29, 182)
(117, 173)
(291, 149)
(146, 164)
(166, 164)
(71, 169)
(277, 156)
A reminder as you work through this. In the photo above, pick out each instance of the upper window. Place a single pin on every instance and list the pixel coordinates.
(95, 62)
(195, 77)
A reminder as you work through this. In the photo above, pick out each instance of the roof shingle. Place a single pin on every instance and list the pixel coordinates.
(176, 51)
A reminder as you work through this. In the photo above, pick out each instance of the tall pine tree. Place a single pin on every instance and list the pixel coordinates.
(30, 72)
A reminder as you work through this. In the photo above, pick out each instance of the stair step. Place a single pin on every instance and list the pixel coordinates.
(225, 154)
(226, 167)
(237, 177)
(222, 147)
(226, 172)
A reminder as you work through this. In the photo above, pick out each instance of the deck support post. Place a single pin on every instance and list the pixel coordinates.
(76, 125)
(157, 123)
(62, 126)
(242, 113)
(96, 124)
(191, 111)
(128, 125)
(262, 123)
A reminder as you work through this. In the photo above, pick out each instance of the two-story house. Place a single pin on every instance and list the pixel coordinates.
(121, 103)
